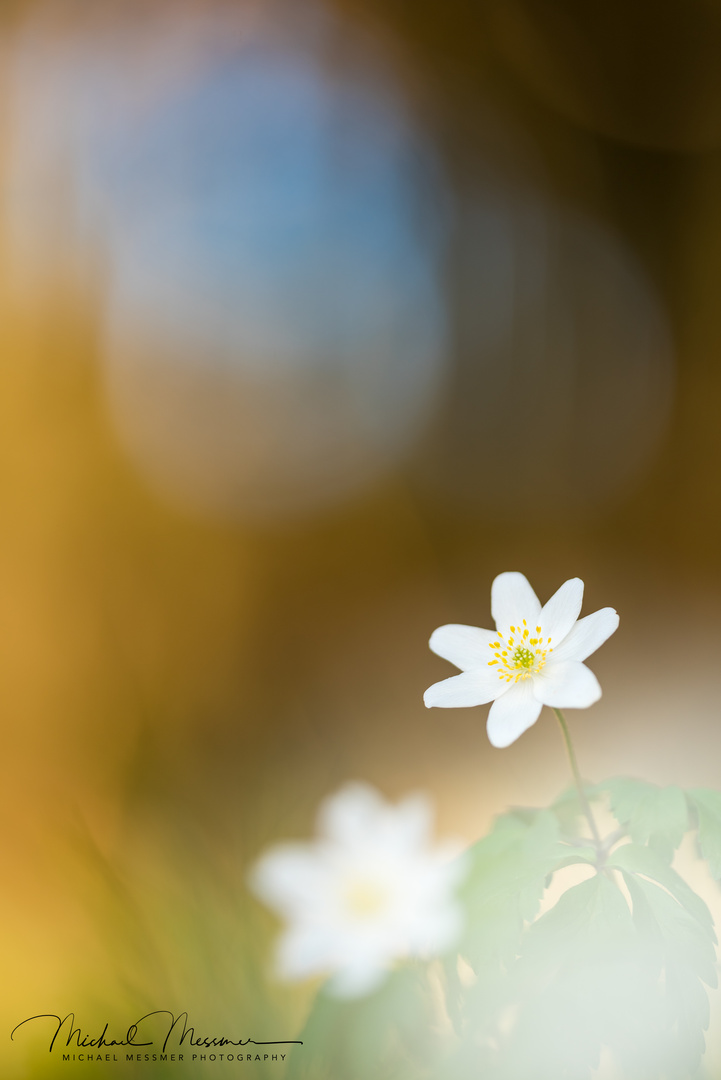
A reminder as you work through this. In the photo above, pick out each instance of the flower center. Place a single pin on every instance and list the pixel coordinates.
(523, 658)
(365, 899)
(521, 654)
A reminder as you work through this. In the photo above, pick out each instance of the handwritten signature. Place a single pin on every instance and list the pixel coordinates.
(137, 1032)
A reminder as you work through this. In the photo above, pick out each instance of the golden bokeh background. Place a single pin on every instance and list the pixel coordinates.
(314, 317)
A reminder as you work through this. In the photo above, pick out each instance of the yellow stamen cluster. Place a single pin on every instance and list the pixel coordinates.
(365, 899)
(519, 656)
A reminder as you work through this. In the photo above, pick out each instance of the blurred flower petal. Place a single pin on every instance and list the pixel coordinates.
(371, 890)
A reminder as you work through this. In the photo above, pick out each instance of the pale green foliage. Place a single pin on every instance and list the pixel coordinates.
(652, 815)
(617, 966)
(505, 884)
(707, 805)
(388, 1034)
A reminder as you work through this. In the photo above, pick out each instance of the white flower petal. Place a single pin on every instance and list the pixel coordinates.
(512, 600)
(404, 829)
(512, 714)
(465, 646)
(450, 865)
(566, 685)
(369, 891)
(289, 878)
(357, 980)
(562, 610)
(303, 951)
(351, 814)
(408, 825)
(462, 691)
(436, 931)
(587, 635)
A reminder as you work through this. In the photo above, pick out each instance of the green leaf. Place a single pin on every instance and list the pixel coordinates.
(568, 809)
(669, 930)
(380, 1035)
(653, 815)
(587, 921)
(576, 984)
(454, 994)
(642, 860)
(581, 854)
(707, 804)
(594, 974)
(591, 975)
(679, 956)
(505, 882)
(547, 995)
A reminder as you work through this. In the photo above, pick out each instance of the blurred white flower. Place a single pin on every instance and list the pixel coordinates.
(368, 891)
(533, 658)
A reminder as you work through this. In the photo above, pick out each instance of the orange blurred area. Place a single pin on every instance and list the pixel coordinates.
(314, 318)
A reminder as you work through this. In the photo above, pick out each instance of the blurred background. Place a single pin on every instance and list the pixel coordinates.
(315, 316)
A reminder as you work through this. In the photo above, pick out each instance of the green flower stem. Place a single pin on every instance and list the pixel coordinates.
(577, 777)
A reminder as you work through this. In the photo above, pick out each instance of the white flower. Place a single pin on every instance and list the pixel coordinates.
(533, 658)
(369, 890)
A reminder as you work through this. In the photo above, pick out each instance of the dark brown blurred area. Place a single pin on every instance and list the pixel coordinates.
(314, 319)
